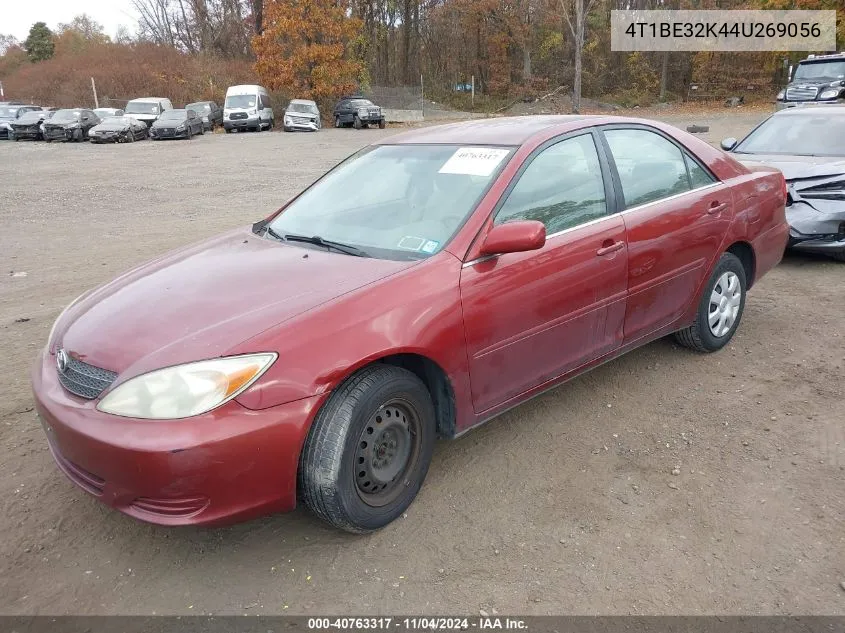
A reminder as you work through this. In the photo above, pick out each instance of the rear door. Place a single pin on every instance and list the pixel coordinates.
(676, 215)
(530, 317)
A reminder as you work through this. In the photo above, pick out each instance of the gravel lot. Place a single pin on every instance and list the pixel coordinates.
(567, 504)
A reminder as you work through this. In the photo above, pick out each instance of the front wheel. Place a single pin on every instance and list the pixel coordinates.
(368, 450)
(356, 123)
(720, 309)
(381, 124)
(337, 121)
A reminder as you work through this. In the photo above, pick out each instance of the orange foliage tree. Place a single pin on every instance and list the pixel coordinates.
(306, 48)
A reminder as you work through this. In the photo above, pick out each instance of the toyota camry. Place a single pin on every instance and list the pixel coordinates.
(318, 353)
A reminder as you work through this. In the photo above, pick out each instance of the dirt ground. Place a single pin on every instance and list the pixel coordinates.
(567, 504)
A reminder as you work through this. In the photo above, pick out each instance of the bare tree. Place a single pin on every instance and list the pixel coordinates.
(577, 26)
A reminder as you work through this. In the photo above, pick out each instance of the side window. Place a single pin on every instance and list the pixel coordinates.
(697, 174)
(649, 166)
(562, 187)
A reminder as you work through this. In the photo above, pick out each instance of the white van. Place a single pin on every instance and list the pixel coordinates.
(147, 109)
(247, 108)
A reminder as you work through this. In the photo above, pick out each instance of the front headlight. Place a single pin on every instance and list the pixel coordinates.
(185, 390)
(781, 95)
(830, 93)
(181, 128)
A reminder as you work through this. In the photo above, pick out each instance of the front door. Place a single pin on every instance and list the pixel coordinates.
(530, 317)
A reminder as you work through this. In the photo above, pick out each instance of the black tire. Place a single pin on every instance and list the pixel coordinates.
(381, 124)
(337, 122)
(356, 123)
(333, 473)
(699, 336)
(228, 130)
(840, 257)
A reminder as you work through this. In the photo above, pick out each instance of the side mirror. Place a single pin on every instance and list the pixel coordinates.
(514, 237)
(728, 144)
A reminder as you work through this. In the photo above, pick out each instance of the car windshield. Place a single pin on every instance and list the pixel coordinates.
(113, 120)
(173, 115)
(8, 113)
(199, 108)
(807, 133)
(64, 116)
(301, 107)
(142, 107)
(240, 101)
(395, 201)
(815, 71)
(360, 103)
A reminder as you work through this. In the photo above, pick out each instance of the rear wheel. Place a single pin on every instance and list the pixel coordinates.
(720, 308)
(368, 450)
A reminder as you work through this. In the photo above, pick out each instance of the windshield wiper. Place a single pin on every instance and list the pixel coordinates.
(348, 249)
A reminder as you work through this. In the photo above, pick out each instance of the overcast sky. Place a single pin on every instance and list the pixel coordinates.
(22, 14)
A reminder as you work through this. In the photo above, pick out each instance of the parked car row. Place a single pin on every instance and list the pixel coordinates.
(247, 107)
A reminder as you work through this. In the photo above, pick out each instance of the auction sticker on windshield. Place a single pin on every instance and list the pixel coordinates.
(474, 161)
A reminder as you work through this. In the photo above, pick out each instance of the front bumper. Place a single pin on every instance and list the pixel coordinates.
(239, 124)
(158, 134)
(27, 133)
(228, 465)
(820, 230)
(301, 124)
(109, 137)
(5, 128)
(60, 134)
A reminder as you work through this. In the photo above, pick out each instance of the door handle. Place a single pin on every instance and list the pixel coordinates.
(609, 246)
(716, 208)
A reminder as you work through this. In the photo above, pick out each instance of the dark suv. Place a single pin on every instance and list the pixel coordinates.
(358, 112)
(817, 79)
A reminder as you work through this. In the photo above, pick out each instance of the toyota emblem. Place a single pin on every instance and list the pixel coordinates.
(62, 361)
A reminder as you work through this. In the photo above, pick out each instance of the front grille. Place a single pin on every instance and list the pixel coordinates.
(801, 93)
(237, 115)
(165, 131)
(85, 380)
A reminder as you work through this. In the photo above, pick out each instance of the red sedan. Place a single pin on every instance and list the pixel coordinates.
(418, 289)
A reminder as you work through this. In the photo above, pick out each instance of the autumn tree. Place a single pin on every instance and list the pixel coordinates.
(305, 48)
(81, 32)
(39, 44)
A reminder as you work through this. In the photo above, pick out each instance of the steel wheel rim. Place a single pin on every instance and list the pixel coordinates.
(725, 300)
(387, 450)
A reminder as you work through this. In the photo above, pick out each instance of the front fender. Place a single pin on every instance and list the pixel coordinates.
(416, 311)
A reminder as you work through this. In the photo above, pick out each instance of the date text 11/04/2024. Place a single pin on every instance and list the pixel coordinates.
(483, 623)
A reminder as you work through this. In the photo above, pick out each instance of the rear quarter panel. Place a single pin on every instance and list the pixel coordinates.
(760, 217)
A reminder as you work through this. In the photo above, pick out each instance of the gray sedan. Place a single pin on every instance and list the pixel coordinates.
(806, 143)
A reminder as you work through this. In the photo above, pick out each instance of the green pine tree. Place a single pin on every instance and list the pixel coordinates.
(39, 45)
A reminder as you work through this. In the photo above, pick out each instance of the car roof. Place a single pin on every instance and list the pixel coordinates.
(149, 99)
(494, 131)
(196, 102)
(303, 101)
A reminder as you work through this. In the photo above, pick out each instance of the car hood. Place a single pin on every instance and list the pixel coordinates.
(797, 167)
(169, 123)
(201, 301)
(110, 127)
(50, 123)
